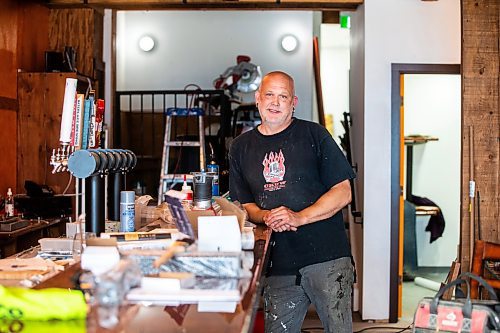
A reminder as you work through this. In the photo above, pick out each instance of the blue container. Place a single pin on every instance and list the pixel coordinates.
(214, 168)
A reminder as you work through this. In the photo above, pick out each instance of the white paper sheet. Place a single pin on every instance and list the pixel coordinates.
(219, 233)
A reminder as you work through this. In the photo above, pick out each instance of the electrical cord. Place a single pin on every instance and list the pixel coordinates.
(197, 87)
(69, 183)
(89, 88)
(401, 329)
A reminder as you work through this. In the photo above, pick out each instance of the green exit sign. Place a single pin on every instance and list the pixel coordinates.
(345, 21)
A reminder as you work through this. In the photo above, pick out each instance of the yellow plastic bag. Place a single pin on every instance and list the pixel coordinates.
(47, 326)
(43, 304)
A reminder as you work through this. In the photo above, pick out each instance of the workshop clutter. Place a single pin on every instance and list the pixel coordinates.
(178, 256)
(434, 314)
(146, 212)
(121, 249)
(9, 204)
(26, 304)
(82, 124)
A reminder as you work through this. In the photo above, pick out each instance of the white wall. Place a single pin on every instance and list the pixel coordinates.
(195, 47)
(334, 55)
(356, 103)
(432, 105)
(393, 31)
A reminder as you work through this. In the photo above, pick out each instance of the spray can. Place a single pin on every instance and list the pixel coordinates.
(127, 211)
(9, 204)
(214, 168)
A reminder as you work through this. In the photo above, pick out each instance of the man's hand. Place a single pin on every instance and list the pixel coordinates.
(283, 219)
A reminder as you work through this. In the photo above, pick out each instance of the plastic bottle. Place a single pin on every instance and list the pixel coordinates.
(213, 167)
(189, 192)
(127, 211)
(9, 204)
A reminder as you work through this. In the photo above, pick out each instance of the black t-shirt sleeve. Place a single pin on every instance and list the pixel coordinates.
(334, 167)
(238, 186)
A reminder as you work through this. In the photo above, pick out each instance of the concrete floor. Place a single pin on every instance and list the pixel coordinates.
(312, 324)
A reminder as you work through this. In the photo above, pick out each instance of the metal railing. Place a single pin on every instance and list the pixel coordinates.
(139, 125)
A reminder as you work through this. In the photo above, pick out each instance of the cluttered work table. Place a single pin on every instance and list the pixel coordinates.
(20, 234)
(226, 300)
(185, 317)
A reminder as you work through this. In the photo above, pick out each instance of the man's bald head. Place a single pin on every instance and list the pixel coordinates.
(283, 75)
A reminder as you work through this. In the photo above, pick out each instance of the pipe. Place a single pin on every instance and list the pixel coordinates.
(95, 219)
(114, 196)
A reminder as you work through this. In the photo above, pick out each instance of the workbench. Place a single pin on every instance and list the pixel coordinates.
(183, 317)
(12, 242)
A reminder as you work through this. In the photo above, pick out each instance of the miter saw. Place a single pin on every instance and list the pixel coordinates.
(245, 77)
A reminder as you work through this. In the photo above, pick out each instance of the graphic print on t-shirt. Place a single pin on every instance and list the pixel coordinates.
(274, 171)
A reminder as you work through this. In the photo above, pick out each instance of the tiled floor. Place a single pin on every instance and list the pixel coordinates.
(412, 294)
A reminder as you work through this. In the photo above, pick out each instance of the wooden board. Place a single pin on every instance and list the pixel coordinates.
(77, 28)
(317, 80)
(8, 135)
(40, 107)
(480, 105)
(8, 95)
(452, 275)
(33, 39)
(337, 2)
(122, 2)
(8, 48)
(21, 47)
(210, 4)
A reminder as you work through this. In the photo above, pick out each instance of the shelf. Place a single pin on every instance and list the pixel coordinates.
(426, 210)
(419, 139)
(410, 141)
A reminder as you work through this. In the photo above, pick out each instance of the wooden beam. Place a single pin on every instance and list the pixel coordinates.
(8, 104)
(344, 5)
(480, 110)
(317, 80)
(330, 16)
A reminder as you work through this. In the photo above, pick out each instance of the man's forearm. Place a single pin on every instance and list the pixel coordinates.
(283, 218)
(255, 213)
(328, 204)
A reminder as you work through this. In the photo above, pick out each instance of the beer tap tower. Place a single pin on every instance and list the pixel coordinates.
(90, 165)
(94, 164)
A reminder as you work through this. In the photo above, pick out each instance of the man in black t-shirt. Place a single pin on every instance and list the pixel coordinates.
(290, 174)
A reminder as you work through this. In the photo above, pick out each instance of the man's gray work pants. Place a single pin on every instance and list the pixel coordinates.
(327, 285)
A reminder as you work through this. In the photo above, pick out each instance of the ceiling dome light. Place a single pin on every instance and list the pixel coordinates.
(146, 43)
(289, 43)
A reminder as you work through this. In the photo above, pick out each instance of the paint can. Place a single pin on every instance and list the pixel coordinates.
(202, 188)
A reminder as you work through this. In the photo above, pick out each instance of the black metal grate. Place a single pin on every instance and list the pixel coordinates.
(139, 125)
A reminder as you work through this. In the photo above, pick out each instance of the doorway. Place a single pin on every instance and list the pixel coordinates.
(423, 160)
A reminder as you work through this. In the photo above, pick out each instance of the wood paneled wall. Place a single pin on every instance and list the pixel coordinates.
(480, 112)
(41, 97)
(33, 39)
(210, 4)
(8, 95)
(81, 29)
(28, 29)
(13, 37)
(8, 48)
